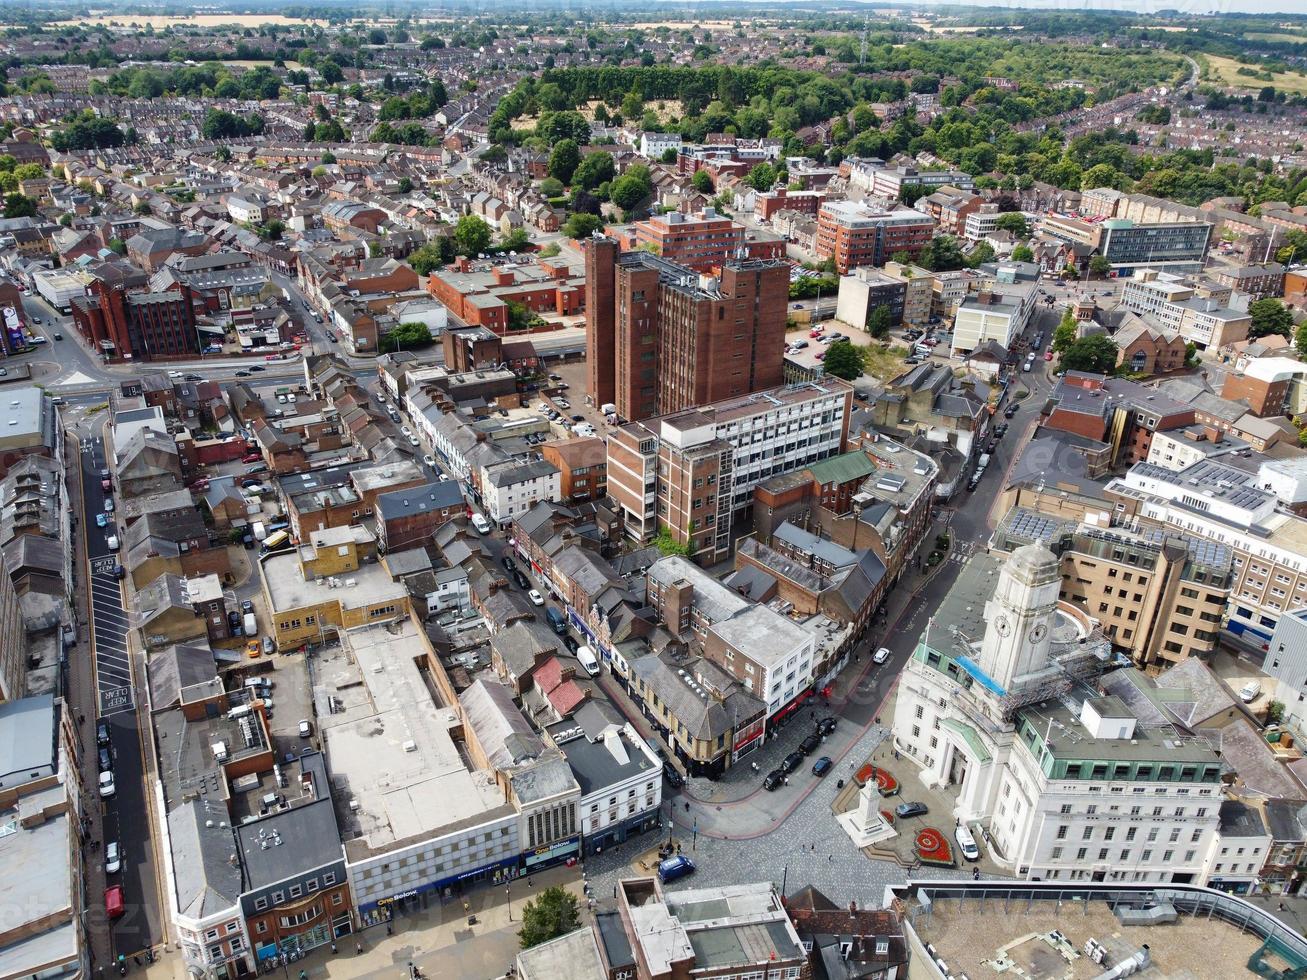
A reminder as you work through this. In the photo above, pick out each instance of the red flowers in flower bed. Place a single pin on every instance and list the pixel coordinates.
(933, 848)
(889, 816)
(886, 783)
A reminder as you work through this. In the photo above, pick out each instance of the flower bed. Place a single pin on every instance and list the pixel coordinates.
(933, 848)
(864, 774)
(889, 816)
(886, 783)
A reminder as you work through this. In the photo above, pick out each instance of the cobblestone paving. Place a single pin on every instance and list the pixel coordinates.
(809, 848)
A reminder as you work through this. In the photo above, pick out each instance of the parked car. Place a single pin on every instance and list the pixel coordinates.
(792, 761)
(1011, 410)
(822, 766)
(115, 904)
(536, 598)
(826, 725)
(106, 758)
(107, 788)
(1000, 430)
(508, 563)
(306, 728)
(253, 648)
(809, 745)
(773, 779)
(673, 775)
(101, 733)
(881, 655)
(101, 520)
(522, 581)
(905, 810)
(113, 858)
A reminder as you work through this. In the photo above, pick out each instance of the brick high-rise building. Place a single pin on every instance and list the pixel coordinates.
(678, 339)
(125, 322)
(600, 318)
(705, 240)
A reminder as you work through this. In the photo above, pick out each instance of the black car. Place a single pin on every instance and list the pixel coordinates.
(569, 641)
(521, 580)
(1010, 410)
(257, 367)
(193, 377)
(972, 484)
(119, 572)
(905, 810)
(1000, 430)
(773, 779)
(247, 605)
(106, 759)
(242, 374)
(233, 619)
(101, 733)
(673, 775)
(826, 725)
(508, 563)
(58, 336)
(809, 744)
(792, 761)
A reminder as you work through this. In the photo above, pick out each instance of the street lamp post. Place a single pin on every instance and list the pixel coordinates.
(508, 891)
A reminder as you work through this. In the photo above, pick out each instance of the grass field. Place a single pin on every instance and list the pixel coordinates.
(884, 363)
(1288, 38)
(158, 22)
(1226, 72)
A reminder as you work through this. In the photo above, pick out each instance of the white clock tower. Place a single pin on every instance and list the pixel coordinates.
(1020, 615)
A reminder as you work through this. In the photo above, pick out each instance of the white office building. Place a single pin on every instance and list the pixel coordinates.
(993, 315)
(1063, 771)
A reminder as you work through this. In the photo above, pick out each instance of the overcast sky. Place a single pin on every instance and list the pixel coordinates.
(1150, 6)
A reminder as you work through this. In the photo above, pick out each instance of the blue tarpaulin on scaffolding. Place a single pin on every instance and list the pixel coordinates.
(985, 681)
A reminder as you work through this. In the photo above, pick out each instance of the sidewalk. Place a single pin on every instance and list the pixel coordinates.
(438, 940)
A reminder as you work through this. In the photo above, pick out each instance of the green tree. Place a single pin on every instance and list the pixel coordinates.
(627, 191)
(1064, 334)
(580, 225)
(879, 322)
(1095, 354)
(118, 245)
(594, 170)
(761, 177)
(471, 235)
(19, 206)
(1023, 253)
(702, 182)
(1270, 316)
(843, 360)
(667, 544)
(551, 187)
(409, 335)
(1015, 222)
(426, 259)
(330, 72)
(564, 161)
(1099, 266)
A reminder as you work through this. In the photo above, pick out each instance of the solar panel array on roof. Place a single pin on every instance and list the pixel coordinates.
(1033, 526)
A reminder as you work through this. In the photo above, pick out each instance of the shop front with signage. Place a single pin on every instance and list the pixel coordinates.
(544, 857)
(622, 831)
(412, 900)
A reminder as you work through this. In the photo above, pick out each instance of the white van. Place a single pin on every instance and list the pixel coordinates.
(966, 843)
(587, 658)
(608, 408)
(480, 523)
(1248, 693)
(112, 542)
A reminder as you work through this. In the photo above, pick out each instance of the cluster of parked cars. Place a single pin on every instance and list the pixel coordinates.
(796, 758)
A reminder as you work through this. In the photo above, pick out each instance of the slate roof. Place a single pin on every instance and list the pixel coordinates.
(207, 878)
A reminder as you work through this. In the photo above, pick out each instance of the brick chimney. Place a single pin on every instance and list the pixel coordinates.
(680, 596)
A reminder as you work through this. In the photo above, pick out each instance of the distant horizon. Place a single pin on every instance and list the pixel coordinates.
(1144, 7)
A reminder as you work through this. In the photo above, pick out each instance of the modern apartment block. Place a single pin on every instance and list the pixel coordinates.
(1198, 309)
(993, 315)
(880, 180)
(1225, 505)
(856, 234)
(866, 289)
(703, 241)
(693, 471)
(918, 291)
(662, 338)
(1129, 244)
(1157, 594)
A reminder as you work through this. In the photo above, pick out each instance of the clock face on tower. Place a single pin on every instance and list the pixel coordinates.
(1002, 625)
(1038, 633)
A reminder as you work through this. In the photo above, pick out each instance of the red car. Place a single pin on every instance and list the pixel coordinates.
(251, 458)
(114, 903)
(273, 357)
(815, 332)
(1048, 355)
